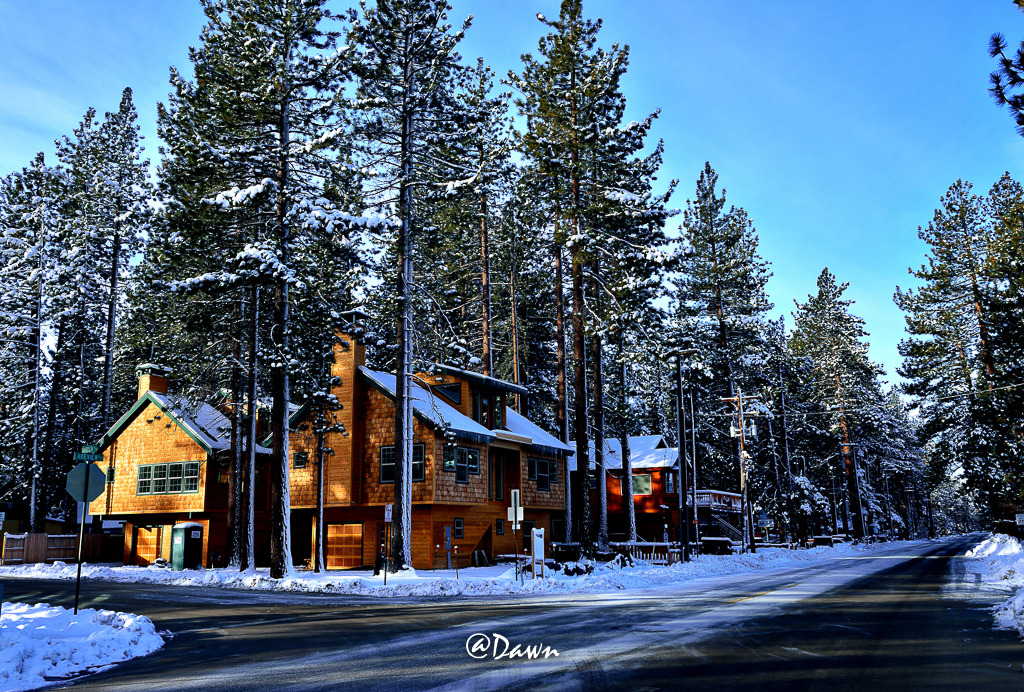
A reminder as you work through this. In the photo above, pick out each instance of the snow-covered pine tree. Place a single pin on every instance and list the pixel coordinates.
(405, 66)
(721, 306)
(949, 359)
(32, 203)
(252, 147)
(576, 142)
(845, 378)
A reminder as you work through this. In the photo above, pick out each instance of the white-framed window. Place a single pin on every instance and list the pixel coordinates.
(168, 479)
(641, 484)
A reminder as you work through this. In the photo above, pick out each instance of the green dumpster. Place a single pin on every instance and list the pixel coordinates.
(186, 545)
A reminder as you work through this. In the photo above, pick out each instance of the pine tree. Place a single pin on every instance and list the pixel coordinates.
(405, 67)
(32, 207)
(251, 161)
(577, 144)
(720, 306)
(844, 382)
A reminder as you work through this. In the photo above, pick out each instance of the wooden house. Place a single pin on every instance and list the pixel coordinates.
(655, 468)
(655, 495)
(470, 450)
(166, 462)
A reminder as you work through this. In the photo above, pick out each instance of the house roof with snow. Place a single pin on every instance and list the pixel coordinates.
(540, 439)
(645, 452)
(440, 415)
(483, 380)
(430, 409)
(207, 426)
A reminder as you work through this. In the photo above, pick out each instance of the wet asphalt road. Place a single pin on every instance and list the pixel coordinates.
(896, 619)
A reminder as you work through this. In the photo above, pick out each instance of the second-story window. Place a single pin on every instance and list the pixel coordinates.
(641, 484)
(462, 461)
(387, 464)
(482, 409)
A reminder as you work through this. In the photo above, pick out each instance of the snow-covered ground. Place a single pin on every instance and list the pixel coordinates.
(480, 581)
(999, 560)
(41, 644)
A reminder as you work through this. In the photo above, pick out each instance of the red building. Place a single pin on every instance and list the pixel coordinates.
(655, 468)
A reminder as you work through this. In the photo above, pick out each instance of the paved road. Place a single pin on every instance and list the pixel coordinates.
(901, 619)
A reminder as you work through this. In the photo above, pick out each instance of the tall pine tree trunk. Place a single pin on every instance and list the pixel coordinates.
(237, 412)
(580, 386)
(108, 355)
(485, 286)
(280, 544)
(247, 476)
(401, 553)
(514, 323)
(627, 461)
(597, 357)
(562, 414)
(35, 375)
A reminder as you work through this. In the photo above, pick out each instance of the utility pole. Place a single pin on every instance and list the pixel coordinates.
(693, 476)
(738, 401)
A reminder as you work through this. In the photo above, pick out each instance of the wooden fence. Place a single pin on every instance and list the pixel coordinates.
(31, 548)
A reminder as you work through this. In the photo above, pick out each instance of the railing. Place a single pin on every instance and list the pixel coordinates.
(654, 553)
(728, 530)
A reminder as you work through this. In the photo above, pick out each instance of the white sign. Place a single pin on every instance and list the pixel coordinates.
(537, 556)
(3, 515)
(515, 512)
(1020, 519)
(387, 512)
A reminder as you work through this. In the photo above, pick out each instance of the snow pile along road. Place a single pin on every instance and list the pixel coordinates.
(480, 581)
(40, 644)
(1000, 561)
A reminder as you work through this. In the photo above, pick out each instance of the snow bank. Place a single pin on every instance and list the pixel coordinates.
(479, 581)
(40, 644)
(1000, 561)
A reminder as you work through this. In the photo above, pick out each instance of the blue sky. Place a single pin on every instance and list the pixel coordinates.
(837, 126)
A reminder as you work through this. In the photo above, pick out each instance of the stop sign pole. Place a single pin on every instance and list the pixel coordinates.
(85, 484)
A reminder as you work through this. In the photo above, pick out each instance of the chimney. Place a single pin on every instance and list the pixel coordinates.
(152, 378)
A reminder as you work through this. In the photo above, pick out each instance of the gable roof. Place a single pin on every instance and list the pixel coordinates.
(437, 413)
(208, 427)
(645, 452)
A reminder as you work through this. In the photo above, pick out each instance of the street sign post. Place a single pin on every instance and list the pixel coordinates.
(1020, 520)
(448, 544)
(85, 483)
(388, 509)
(515, 515)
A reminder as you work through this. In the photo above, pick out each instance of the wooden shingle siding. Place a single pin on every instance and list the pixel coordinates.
(149, 439)
(554, 497)
(379, 431)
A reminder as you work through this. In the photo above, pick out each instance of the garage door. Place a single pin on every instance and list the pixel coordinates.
(147, 544)
(344, 545)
